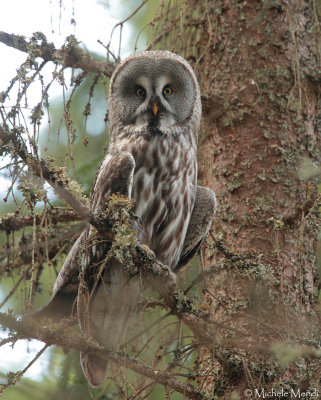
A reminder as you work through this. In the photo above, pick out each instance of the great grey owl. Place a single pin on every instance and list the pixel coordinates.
(154, 119)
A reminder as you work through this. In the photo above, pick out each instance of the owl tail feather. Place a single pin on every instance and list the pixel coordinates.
(105, 315)
(94, 367)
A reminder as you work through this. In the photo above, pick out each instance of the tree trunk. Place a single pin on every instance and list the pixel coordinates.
(260, 63)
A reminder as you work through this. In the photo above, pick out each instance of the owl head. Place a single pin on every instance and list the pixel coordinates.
(154, 91)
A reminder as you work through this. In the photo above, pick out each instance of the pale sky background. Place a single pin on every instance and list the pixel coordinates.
(93, 21)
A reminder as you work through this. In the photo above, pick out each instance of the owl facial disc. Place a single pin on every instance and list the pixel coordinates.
(155, 92)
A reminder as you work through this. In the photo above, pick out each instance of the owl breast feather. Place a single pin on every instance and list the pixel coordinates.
(164, 192)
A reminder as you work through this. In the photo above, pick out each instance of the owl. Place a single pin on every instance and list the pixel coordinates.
(154, 119)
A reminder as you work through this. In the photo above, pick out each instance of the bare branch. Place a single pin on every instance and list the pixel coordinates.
(40, 168)
(13, 222)
(16, 377)
(70, 55)
(64, 336)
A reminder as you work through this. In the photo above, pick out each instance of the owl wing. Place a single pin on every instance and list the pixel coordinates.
(104, 309)
(115, 175)
(199, 225)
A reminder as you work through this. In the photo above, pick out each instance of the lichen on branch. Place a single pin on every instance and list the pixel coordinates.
(70, 55)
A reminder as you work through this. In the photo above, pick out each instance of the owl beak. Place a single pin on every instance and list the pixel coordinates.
(155, 108)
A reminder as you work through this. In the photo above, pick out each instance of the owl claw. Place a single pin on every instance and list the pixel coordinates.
(171, 276)
(148, 252)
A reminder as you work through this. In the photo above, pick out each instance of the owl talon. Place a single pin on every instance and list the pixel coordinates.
(147, 251)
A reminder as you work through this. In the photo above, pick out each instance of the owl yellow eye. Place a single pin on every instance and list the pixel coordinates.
(140, 92)
(167, 91)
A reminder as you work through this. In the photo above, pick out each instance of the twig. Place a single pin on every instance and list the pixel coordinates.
(70, 55)
(121, 23)
(65, 337)
(16, 377)
(56, 245)
(12, 291)
(40, 168)
(13, 222)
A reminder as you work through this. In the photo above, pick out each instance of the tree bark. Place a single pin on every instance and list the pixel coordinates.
(261, 120)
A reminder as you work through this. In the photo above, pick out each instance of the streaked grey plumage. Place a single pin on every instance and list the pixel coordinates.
(154, 118)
